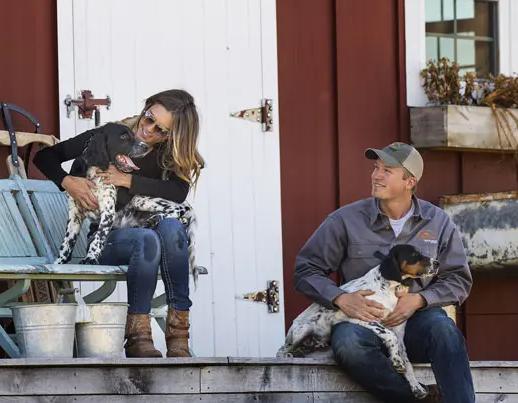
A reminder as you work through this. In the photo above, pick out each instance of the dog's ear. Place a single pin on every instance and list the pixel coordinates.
(389, 267)
(379, 255)
(96, 152)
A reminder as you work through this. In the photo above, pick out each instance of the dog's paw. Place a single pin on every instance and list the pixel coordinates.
(89, 260)
(419, 391)
(284, 354)
(284, 351)
(398, 364)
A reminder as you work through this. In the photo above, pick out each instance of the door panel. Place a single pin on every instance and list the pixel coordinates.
(223, 53)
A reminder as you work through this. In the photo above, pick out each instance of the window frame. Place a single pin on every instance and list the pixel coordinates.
(494, 64)
(415, 45)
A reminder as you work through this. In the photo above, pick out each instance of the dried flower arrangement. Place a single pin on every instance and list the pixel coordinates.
(443, 85)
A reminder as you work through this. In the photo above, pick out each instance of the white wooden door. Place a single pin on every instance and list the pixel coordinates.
(224, 53)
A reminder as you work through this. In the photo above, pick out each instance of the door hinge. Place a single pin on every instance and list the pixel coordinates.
(263, 115)
(270, 296)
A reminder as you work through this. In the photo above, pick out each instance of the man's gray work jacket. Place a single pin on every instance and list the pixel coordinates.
(349, 237)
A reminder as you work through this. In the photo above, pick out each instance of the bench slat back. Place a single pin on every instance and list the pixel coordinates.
(51, 208)
(15, 239)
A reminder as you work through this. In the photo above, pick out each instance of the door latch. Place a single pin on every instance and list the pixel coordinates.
(270, 296)
(86, 105)
(263, 115)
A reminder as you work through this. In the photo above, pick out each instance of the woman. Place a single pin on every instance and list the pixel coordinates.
(169, 125)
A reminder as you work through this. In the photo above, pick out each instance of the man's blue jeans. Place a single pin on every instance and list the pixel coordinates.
(430, 337)
(144, 250)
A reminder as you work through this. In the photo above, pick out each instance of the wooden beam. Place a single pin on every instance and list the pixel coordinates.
(24, 138)
(316, 380)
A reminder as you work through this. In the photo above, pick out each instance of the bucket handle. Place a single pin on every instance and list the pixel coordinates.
(83, 312)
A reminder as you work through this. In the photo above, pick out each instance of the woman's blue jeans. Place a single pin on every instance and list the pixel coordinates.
(430, 336)
(144, 250)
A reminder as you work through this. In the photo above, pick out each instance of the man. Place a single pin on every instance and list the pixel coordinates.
(347, 241)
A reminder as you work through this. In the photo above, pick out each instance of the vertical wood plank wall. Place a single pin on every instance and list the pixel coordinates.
(28, 65)
(359, 48)
(308, 126)
(340, 90)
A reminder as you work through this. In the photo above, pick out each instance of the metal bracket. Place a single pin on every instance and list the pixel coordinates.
(263, 115)
(270, 296)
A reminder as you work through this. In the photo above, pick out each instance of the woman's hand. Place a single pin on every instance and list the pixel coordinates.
(80, 189)
(112, 176)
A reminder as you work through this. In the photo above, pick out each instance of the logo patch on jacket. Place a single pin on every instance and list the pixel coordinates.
(427, 236)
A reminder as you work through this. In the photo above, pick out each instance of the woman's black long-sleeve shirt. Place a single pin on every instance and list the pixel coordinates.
(147, 181)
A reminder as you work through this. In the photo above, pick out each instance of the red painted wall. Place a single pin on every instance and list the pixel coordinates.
(308, 127)
(341, 89)
(29, 65)
(358, 48)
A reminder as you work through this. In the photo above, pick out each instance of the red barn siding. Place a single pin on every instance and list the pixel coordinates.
(341, 89)
(29, 64)
(308, 127)
(491, 316)
(331, 109)
(359, 47)
(368, 91)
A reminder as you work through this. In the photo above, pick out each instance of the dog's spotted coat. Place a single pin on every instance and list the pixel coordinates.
(311, 330)
(141, 211)
(103, 148)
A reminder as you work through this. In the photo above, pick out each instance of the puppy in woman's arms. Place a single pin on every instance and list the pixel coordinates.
(311, 330)
(117, 145)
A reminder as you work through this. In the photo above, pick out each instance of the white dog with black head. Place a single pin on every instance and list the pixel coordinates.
(311, 330)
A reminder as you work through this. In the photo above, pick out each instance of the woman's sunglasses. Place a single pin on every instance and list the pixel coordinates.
(149, 120)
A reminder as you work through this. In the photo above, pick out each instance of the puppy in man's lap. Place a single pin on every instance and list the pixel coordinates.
(311, 330)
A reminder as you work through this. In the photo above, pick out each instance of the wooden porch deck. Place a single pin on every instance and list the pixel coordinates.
(226, 379)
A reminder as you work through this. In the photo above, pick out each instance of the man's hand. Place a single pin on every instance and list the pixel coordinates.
(80, 189)
(356, 306)
(113, 176)
(405, 308)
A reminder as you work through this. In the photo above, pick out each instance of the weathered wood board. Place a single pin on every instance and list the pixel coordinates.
(458, 127)
(488, 226)
(222, 379)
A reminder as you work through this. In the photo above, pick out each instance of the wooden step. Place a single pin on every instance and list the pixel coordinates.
(225, 379)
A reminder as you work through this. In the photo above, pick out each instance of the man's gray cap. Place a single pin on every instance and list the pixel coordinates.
(399, 155)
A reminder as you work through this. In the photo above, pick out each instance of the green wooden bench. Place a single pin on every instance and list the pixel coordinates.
(33, 215)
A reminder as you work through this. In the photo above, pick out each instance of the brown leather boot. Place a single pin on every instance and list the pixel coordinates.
(177, 333)
(139, 342)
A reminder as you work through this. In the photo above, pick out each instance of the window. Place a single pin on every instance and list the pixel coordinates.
(463, 31)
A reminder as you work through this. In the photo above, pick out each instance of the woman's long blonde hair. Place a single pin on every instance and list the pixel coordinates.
(179, 154)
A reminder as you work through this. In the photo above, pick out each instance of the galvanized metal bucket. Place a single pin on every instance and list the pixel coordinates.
(45, 330)
(103, 336)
